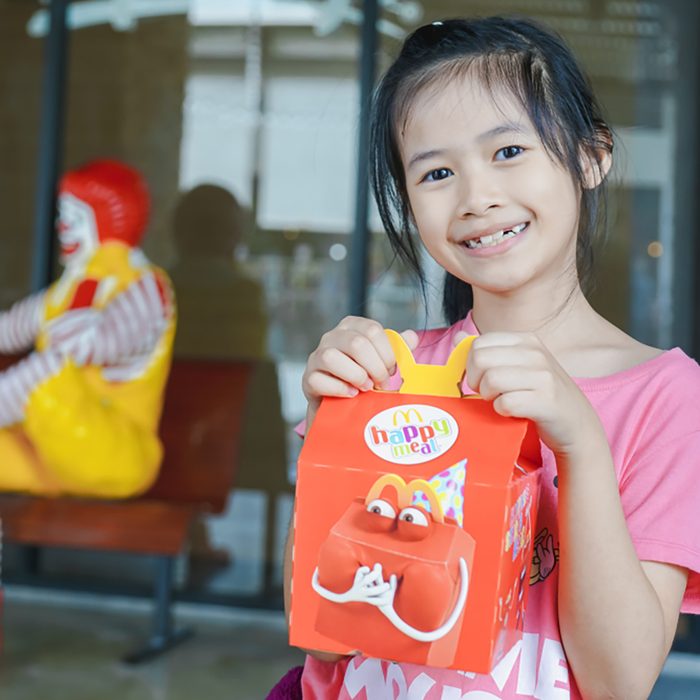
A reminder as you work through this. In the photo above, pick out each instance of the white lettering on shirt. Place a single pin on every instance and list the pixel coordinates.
(524, 651)
(548, 680)
(553, 670)
(396, 683)
(420, 687)
(367, 676)
(450, 693)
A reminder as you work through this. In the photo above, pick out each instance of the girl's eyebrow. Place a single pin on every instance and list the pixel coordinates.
(425, 155)
(505, 128)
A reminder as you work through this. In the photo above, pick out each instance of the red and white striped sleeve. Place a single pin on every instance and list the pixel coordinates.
(20, 325)
(17, 383)
(129, 327)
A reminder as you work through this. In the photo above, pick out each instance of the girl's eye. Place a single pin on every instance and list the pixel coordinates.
(437, 174)
(380, 507)
(415, 516)
(509, 152)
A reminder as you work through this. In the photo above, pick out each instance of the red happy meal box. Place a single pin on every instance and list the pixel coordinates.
(414, 520)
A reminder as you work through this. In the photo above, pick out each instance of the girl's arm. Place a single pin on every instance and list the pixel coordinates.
(617, 615)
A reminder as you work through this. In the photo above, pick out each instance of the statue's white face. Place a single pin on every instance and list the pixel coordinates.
(77, 230)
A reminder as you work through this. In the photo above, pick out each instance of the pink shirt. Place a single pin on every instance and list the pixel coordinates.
(651, 414)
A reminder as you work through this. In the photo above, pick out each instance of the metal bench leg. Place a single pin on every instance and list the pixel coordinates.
(30, 559)
(164, 635)
(269, 554)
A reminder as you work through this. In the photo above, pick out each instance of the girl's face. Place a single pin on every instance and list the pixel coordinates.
(490, 204)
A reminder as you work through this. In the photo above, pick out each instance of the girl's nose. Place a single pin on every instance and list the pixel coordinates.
(478, 195)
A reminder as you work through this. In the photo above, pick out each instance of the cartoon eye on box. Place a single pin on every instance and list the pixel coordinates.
(393, 574)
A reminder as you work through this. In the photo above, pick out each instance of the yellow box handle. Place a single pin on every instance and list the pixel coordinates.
(435, 380)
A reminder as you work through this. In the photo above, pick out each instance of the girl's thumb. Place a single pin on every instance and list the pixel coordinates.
(459, 337)
(411, 338)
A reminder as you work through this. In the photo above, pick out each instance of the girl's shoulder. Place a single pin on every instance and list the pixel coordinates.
(602, 353)
(654, 393)
(613, 362)
(628, 360)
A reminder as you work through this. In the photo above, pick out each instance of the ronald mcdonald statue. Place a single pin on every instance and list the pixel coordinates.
(79, 415)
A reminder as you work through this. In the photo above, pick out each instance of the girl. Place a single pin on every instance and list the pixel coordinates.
(488, 144)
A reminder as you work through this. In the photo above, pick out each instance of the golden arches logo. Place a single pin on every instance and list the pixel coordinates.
(405, 491)
(406, 415)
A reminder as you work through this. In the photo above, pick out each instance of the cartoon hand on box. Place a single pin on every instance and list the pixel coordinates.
(384, 548)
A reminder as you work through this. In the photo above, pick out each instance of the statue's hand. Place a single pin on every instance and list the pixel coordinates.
(72, 333)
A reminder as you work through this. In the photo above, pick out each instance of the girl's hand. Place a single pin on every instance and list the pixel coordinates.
(522, 378)
(355, 356)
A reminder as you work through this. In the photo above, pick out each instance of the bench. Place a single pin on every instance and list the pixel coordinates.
(201, 429)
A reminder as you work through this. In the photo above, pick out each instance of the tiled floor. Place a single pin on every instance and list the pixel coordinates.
(67, 647)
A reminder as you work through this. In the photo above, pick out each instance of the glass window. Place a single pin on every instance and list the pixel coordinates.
(242, 119)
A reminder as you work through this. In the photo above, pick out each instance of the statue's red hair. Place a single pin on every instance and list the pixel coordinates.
(118, 196)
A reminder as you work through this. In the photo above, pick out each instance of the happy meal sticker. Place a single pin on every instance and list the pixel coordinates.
(411, 434)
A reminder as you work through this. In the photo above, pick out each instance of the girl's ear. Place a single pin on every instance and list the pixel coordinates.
(597, 161)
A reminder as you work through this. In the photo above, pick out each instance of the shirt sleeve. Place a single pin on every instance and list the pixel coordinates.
(661, 500)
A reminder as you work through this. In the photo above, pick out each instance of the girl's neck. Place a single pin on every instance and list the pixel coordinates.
(560, 320)
(580, 339)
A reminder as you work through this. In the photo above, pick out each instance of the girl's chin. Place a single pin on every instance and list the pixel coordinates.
(495, 287)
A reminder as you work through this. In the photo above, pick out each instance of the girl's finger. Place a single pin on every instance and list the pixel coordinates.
(482, 359)
(516, 404)
(377, 335)
(371, 351)
(497, 338)
(459, 336)
(503, 379)
(411, 338)
(352, 326)
(320, 384)
(355, 323)
(333, 361)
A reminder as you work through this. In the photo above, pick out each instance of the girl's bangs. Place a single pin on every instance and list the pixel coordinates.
(516, 74)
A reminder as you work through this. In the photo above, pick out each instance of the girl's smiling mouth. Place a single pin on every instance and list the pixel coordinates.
(496, 238)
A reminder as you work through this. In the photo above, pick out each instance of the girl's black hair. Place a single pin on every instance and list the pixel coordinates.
(537, 67)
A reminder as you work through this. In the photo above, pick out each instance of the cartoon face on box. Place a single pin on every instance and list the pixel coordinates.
(393, 574)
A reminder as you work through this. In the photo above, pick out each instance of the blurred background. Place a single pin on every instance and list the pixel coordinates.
(243, 115)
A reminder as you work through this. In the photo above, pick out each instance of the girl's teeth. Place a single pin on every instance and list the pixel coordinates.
(495, 238)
